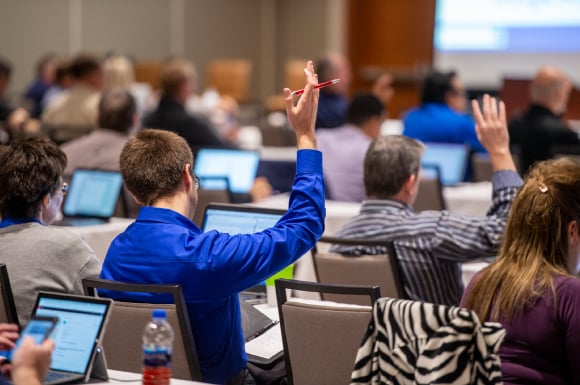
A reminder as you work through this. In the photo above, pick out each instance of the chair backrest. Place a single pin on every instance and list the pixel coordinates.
(321, 338)
(205, 197)
(230, 77)
(122, 341)
(382, 269)
(481, 167)
(7, 307)
(438, 344)
(430, 194)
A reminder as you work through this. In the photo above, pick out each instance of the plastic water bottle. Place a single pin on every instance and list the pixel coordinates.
(157, 346)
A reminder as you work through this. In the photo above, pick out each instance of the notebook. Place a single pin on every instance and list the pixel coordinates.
(91, 198)
(237, 165)
(81, 324)
(451, 159)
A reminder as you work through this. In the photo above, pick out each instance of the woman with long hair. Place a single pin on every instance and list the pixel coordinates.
(532, 288)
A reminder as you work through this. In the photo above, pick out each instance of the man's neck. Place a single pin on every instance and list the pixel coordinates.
(178, 203)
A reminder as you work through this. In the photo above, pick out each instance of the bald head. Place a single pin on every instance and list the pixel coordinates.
(550, 88)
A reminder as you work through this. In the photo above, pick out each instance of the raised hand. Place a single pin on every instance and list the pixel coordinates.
(492, 132)
(303, 116)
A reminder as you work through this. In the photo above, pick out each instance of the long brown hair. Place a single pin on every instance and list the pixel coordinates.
(535, 245)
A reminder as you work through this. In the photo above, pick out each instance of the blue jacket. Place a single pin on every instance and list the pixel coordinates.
(162, 246)
(437, 122)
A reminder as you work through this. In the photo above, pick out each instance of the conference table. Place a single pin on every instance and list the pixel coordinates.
(469, 199)
(128, 378)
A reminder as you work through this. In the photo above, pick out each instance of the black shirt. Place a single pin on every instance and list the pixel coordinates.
(538, 134)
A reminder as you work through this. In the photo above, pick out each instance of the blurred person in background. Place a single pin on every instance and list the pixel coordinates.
(540, 131)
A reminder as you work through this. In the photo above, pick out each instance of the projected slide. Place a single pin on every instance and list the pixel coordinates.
(507, 26)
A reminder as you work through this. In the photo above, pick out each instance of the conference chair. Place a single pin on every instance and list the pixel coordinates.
(217, 190)
(122, 340)
(321, 338)
(430, 194)
(7, 307)
(381, 270)
(481, 169)
(230, 77)
(418, 342)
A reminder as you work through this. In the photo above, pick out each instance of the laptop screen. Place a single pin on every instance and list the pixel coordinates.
(238, 166)
(93, 193)
(451, 159)
(236, 219)
(80, 323)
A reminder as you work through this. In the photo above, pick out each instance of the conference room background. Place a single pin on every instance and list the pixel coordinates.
(375, 34)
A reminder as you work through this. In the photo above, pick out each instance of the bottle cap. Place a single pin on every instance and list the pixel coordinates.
(159, 313)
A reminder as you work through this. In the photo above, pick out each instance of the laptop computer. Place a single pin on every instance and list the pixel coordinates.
(237, 165)
(91, 198)
(81, 324)
(239, 219)
(450, 158)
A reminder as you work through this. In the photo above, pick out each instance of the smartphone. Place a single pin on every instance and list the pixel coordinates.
(39, 328)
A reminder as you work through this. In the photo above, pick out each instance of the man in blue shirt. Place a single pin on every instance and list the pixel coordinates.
(441, 116)
(165, 246)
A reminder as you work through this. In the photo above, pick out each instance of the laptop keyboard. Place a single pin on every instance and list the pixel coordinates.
(54, 376)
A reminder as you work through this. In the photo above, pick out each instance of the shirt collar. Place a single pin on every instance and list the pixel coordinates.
(17, 221)
(374, 205)
(161, 215)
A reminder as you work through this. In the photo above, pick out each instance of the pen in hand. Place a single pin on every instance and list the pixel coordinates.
(317, 86)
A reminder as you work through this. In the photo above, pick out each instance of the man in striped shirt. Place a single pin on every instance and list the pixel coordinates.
(431, 245)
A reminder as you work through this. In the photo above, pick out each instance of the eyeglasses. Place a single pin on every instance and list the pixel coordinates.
(196, 182)
(64, 188)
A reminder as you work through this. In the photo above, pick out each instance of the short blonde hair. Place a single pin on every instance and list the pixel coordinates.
(118, 72)
(174, 73)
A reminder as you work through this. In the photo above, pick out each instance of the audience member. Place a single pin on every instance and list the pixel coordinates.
(441, 116)
(532, 288)
(333, 101)
(38, 256)
(431, 244)
(119, 72)
(344, 148)
(165, 246)
(177, 83)
(383, 89)
(76, 107)
(101, 148)
(14, 122)
(30, 363)
(62, 81)
(540, 129)
(45, 77)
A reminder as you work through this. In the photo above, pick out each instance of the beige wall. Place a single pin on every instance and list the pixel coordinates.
(268, 32)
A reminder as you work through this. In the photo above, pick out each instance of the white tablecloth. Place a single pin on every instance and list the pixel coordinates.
(99, 237)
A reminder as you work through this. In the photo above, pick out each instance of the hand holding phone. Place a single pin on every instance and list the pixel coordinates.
(39, 328)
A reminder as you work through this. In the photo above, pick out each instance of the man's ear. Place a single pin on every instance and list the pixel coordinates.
(187, 177)
(572, 229)
(410, 183)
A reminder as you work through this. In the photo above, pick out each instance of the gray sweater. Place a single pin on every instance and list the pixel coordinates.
(44, 258)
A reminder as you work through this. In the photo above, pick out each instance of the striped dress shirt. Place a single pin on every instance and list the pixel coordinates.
(431, 245)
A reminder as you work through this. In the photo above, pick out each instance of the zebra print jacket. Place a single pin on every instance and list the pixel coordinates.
(410, 342)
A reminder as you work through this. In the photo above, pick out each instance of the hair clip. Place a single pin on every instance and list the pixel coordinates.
(543, 188)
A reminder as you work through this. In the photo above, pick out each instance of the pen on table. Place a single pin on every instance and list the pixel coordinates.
(317, 86)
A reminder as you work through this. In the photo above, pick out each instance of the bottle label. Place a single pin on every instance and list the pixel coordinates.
(156, 358)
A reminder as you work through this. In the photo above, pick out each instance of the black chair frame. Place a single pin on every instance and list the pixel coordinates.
(7, 296)
(91, 284)
(374, 293)
(389, 245)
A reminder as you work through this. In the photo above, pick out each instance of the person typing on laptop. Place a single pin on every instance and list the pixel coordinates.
(38, 256)
(164, 245)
